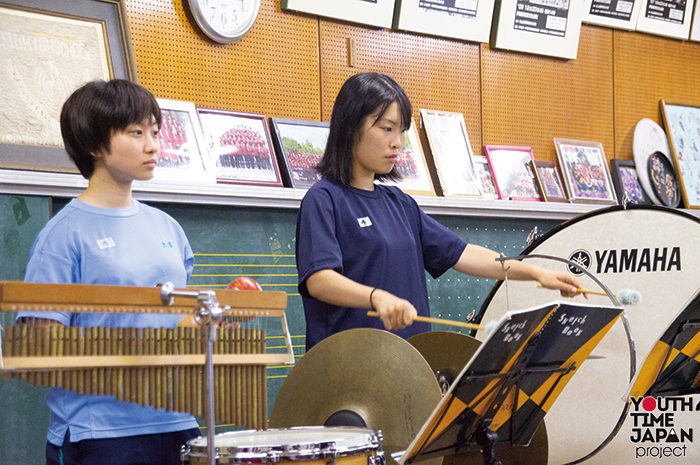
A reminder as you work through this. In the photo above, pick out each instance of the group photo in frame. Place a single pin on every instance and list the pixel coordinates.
(239, 147)
(413, 167)
(183, 154)
(626, 181)
(377, 13)
(465, 20)
(299, 145)
(682, 124)
(585, 171)
(551, 186)
(512, 172)
(483, 173)
(452, 153)
(36, 83)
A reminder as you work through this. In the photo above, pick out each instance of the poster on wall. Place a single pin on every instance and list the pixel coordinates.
(49, 50)
(666, 18)
(458, 19)
(544, 27)
(619, 14)
(695, 26)
(371, 12)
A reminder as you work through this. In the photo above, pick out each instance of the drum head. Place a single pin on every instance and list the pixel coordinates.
(652, 250)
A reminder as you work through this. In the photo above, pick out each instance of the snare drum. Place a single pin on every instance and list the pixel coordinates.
(304, 445)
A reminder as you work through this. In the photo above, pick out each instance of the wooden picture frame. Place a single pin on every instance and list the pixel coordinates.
(100, 28)
(618, 14)
(239, 147)
(682, 128)
(512, 172)
(538, 26)
(626, 180)
(549, 180)
(413, 167)
(465, 20)
(668, 19)
(585, 171)
(378, 13)
(183, 153)
(451, 152)
(483, 172)
(299, 145)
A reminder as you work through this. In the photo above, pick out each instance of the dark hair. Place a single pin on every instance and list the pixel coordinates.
(361, 96)
(94, 111)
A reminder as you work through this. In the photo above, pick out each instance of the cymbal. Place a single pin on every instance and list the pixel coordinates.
(447, 353)
(362, 375)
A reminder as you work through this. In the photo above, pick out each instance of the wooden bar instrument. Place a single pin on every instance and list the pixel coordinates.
(160, 367)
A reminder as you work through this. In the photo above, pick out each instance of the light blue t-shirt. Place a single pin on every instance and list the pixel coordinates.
(135, 246)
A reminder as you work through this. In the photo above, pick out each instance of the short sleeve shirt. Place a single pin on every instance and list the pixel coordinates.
(379, 238)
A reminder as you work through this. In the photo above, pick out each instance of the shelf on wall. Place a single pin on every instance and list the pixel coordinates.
(72, 185)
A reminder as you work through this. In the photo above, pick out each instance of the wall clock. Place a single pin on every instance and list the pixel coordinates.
(225, 21)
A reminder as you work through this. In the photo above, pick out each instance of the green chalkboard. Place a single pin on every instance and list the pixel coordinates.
(24, 417)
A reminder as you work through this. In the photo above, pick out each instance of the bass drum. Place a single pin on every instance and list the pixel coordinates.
(652, 250)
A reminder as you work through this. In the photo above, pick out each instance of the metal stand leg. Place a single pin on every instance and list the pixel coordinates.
(209, 399)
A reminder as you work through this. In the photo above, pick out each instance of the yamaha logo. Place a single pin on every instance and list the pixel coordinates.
(582, 258)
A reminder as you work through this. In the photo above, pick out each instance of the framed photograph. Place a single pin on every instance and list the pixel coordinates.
(466, 20)
(377, 13)
(36, 82)
(239, 147)
(618, 14)
(669, 19)
(585, 171)
(663, 180)
(299, 145)
(512, 172)
(544, 27)
(452, 153)
(183, 154)
(549, 181)
(483, 173)
(682, 124)
(626, 181)
(413, 167)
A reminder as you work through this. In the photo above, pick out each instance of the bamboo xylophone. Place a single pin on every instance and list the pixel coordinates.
(159, 367)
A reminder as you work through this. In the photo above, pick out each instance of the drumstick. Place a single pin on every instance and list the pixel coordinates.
(426, 319)
(625, 296)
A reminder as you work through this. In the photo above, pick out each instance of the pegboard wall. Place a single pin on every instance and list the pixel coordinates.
(292, 65)
(529, 99)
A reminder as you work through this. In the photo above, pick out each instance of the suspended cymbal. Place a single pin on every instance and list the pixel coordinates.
(447, 353)
(363, 374)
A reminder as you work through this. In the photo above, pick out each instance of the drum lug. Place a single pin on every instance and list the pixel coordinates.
(378, 459)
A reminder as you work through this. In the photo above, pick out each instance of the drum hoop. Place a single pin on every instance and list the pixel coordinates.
(302, 449)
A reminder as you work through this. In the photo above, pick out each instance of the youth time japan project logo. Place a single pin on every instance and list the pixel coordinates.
(656, 431)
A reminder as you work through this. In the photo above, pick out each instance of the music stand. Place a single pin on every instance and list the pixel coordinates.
(672, 368)
(525, 362)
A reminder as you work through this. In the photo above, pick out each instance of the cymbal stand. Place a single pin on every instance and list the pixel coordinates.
(208, 315)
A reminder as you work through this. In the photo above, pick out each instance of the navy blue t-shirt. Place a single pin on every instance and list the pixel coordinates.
(379, 238)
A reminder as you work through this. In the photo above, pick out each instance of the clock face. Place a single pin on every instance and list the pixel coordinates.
(225, 21)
